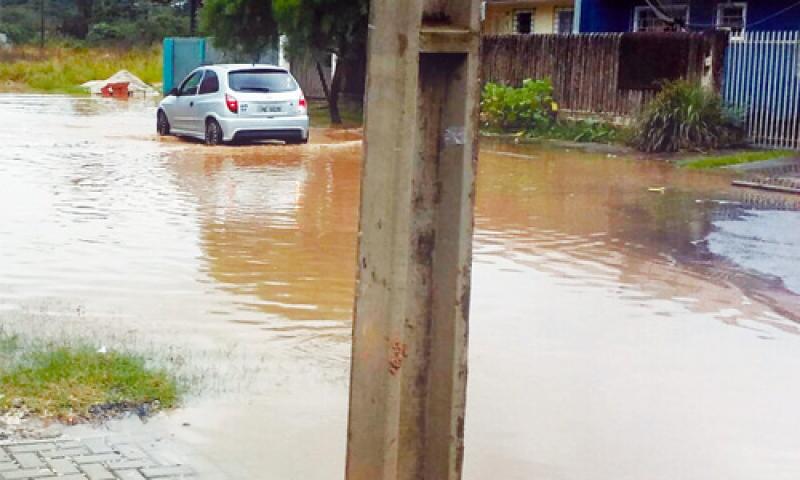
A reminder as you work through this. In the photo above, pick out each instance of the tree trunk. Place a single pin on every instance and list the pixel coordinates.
(192, 17)
(336, 89)
(333, 102)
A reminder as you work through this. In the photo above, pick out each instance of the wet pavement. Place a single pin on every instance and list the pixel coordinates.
(630, 320)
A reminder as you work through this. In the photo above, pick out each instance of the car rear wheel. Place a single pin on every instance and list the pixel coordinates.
(213, 133)
(297, 141)
(162, 123)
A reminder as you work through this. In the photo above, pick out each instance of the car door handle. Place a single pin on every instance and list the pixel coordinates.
(191, 104)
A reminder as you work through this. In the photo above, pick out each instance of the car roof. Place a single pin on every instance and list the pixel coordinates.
(227, 67)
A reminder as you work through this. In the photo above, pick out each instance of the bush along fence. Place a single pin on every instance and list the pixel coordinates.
(614, 75)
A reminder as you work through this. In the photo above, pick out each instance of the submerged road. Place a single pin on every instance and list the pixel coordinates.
(617, 332)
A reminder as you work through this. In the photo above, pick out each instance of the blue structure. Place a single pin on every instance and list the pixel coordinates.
(183, 54)
(633, 15)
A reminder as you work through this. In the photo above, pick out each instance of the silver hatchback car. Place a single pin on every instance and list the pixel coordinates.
(224, 103)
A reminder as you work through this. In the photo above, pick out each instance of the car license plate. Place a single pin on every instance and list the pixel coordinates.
(271, 109)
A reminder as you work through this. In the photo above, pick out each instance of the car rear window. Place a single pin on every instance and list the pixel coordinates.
(261, 81)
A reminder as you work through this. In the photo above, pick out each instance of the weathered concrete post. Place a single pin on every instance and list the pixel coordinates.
(408, 381)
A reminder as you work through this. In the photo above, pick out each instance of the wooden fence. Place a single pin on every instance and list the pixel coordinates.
(591, 72)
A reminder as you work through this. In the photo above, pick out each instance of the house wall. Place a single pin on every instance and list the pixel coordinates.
(499, 17)
(617, 15)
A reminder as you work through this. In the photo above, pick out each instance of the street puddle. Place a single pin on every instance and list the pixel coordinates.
(629, 320)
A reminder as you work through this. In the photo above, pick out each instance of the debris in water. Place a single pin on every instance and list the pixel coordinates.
(135, 84)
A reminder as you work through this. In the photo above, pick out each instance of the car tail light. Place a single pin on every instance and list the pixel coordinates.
(302, 105)
(232, 103)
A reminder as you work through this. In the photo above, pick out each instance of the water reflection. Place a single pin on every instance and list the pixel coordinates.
(279, 226)
(589, 218)
(601, 339)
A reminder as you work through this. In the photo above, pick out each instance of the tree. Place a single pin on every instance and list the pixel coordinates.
(324, 27)
(244, 26)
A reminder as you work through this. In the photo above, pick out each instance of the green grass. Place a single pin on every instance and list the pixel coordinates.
(582, 131)
(64, 69)
(66, 381)
(736, 158)
(579, 131)
(351, 111)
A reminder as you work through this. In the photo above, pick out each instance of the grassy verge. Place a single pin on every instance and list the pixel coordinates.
(68, 382)
(582, 131)
(735, 158)
(64, 69)
(352, 113)
(579, 131)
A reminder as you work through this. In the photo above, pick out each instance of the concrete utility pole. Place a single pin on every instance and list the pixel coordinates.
(409, 373)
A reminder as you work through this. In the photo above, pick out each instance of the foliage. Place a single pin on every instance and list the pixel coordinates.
(685, 116)
(322, 27)
(736, 158)
(526, 108)
(62, 69)
(124, 22)
(582, 131)
(244, 26)
(142, 31)
(64, 381)
(532, 109)
(19, 22)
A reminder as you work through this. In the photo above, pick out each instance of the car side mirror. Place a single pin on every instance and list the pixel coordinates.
(173, 93)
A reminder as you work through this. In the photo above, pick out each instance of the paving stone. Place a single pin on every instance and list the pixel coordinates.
(28, 460)
(130, 451)
(156, 472)
(128, 464)
(62, 466)
(68, 444)
(112, 457)
(98, 445)
(31, 447)
(26, 473)
(77, 476)
(100, 458)
(96, 471)
(129, 475)
(67, 452)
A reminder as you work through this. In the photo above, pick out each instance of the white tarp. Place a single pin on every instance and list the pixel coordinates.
(135, 84)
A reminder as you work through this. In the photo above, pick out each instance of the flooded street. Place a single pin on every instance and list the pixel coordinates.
(629, 320)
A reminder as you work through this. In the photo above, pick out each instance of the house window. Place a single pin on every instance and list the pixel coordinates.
(733, 17)
(523, 21)
(645, 19)
(562, 20)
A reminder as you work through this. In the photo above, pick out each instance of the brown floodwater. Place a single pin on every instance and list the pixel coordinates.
(629, 321)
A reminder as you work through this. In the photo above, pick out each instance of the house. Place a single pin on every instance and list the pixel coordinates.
(529, 16)
(734, 15)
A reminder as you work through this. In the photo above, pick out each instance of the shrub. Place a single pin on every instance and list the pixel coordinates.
(684, 116)
(524, 108)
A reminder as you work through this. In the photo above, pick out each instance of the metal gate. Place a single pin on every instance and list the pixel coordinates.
(762, 80)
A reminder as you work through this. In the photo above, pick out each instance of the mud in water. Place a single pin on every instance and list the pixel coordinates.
(629, 320)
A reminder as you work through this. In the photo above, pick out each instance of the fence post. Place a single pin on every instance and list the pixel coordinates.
(408, 379)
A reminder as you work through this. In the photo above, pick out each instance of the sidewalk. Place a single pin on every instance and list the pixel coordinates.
(128, 452)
